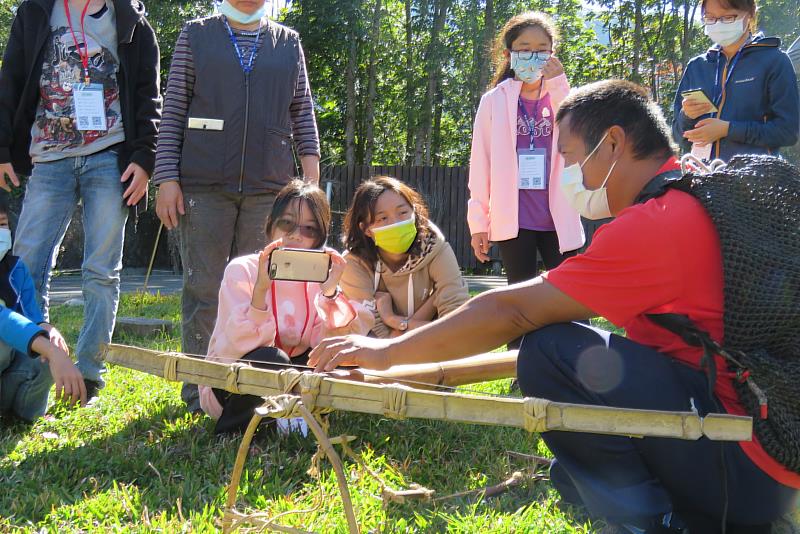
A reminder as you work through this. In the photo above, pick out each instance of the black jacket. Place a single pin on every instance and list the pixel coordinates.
(138, 79)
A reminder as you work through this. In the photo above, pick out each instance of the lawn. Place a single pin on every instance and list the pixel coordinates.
(136, 461)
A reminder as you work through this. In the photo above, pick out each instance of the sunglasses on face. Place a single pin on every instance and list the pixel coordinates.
(288, 226)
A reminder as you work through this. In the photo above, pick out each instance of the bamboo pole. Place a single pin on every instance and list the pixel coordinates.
(400, 402)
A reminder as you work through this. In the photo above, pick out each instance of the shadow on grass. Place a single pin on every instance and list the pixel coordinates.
(168, 455)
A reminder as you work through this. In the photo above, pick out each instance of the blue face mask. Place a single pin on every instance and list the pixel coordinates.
(240, 16)
(528, 65)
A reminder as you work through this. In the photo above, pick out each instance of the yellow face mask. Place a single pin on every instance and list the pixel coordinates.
(396, 238)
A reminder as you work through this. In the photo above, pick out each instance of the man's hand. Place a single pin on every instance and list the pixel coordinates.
(707, 131)
(360, 351)
(480, 246)
(169, 204)
(138, 186)
(55, 337)
(7, 169)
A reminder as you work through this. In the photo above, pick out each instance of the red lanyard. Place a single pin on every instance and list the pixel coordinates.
(83, 53)
(278, 341)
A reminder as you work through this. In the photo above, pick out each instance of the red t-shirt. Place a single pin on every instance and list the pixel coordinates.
(662, 256)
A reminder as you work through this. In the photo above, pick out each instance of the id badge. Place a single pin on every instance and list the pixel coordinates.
(532, 168)
(90, 108)
(702, 152)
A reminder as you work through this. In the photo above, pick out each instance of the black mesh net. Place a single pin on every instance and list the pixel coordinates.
(754, 203)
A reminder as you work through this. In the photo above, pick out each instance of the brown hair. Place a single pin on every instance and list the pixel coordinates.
(362, 211)
(309, 195)
(512, 29)
(748, 6)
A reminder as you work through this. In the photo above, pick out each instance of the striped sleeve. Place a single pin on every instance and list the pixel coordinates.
(180, 87)
(301, 110)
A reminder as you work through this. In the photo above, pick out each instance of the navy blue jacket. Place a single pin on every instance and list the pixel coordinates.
(19, 320)
(760, 99)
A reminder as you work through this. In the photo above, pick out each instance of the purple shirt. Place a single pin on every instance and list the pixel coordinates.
(534, 205)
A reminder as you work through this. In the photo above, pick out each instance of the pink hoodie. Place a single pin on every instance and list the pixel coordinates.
(494, 198)
(241, 328)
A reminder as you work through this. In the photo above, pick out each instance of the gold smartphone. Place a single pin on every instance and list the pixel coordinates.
(299, 265)
(699, 95)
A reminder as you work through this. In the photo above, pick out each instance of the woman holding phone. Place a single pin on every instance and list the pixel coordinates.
(740, 96)
(277, 321)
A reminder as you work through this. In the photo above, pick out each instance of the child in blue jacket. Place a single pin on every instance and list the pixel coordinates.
(33, 354)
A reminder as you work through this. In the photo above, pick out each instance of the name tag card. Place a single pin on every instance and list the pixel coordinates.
(702, 152)
(90, 108)
(532, 168)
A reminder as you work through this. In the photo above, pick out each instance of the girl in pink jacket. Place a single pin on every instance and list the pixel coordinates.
(274, 321)
(515, 167)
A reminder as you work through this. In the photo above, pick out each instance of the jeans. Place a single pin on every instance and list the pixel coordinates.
(24, 384)
(217, 226)
(628, 479)
(51, 196)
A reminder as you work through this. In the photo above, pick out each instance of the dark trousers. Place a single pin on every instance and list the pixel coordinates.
(519, 258)
(627, 479)
(237, 410)
(217, 226)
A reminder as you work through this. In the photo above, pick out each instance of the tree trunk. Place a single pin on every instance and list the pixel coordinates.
(482, 52)
(410, 109)
(689, 12)
(637, 41)
(350, 106)
(369, 119)
(436, 142)
(433, 67)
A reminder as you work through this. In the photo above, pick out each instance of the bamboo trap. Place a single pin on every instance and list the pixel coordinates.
(321, 392)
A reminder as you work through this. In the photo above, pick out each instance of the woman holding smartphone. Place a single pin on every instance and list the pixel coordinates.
(751, 100)
(277, 321)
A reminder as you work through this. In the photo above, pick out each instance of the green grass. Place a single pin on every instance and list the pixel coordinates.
(136, 461)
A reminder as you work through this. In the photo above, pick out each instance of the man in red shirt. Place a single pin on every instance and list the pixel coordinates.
(657, 256)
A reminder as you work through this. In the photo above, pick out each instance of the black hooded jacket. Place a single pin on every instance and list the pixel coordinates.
(138, 79)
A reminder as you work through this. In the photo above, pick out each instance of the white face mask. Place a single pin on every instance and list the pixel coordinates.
(725, 34)
(5, 242)
(589, 203)
(227, 9)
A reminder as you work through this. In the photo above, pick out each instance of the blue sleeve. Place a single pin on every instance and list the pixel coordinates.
(27, 296)
(783, 126)
(18, 331)
(681, 123)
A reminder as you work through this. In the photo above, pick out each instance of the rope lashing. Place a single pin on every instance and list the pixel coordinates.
(309, 384)
(232, 377)
(279, 406)
(394, 401)
(535, 414)
(171, 368)
(309, 390)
